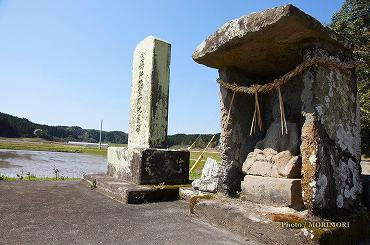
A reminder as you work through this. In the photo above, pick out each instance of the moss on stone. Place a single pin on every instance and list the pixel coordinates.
(359, 227)
(196, 199)
(169, 187)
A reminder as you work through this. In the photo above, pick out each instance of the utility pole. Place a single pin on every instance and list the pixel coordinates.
(101, 129)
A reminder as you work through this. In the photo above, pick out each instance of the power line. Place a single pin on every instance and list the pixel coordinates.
(101, 129)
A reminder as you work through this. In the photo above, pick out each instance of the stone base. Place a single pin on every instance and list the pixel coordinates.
(251, 220)
(187, 193)
(149, 166)
(277, 225)
(273, 191)
(131, 193)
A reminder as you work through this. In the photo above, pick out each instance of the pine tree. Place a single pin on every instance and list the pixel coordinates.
(353, 22)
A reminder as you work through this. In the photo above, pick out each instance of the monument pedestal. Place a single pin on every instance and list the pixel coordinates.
(149, 166)
(128, 192)
(142, 175)
(273, 191)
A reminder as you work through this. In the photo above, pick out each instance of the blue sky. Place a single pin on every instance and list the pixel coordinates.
(68, 62)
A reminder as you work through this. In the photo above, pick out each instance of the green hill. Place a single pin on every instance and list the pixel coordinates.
(15, 127)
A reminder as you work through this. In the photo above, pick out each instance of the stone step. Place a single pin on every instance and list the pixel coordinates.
(187, 193)
(273, 191)
(131, 193)
(253, 221)
(278, 225)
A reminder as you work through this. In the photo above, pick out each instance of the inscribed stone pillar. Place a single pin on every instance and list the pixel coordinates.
(145, 161)
(149, 94)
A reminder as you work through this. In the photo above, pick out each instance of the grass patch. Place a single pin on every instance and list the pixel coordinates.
(194, 156)
(50, 146)
(34, 178)
(214, 155)
(169, 187)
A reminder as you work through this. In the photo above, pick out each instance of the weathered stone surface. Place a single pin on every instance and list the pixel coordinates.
(272, 225)
(330, 138)
(269, 163)
(292, 169)
(281, 159)
(148, 166)
(242, 43)
(128, 192)
(210, 169)
(321, 105)
(273, 191)
(149, 94)
(262, 168)
(187, 193)
(275, 140)
(209, 178)
(235, 141)
(251, 220)
(206, 185)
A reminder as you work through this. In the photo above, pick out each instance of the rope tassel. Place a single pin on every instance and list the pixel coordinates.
(229, 112)
(284, 128)
(257, 118)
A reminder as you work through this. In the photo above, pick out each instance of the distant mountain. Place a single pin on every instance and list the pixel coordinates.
(15, 127)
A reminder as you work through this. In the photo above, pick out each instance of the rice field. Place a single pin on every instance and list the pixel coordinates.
(40, 145)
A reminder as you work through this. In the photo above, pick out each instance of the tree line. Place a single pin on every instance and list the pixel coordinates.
(15, 127)
(353, 22)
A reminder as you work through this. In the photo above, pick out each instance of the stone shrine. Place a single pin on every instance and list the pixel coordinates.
(283, 70)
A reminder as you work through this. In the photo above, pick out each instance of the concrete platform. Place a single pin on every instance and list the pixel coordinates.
(278, 225)
(131, 193)
(244, 217)
(68, 212)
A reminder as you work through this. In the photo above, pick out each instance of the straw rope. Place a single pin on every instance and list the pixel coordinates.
(284, 127)
(264, 88)
(229, 112)
(276, 84)
(256, 114)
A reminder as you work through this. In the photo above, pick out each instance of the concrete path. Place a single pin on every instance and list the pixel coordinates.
(68, 212)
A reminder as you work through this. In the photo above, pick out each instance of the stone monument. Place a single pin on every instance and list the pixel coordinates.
(304, 71)
(149, 94)
(146, 161)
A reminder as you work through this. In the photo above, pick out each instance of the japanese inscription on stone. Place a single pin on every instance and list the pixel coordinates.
(149, 94)
(140, 92)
